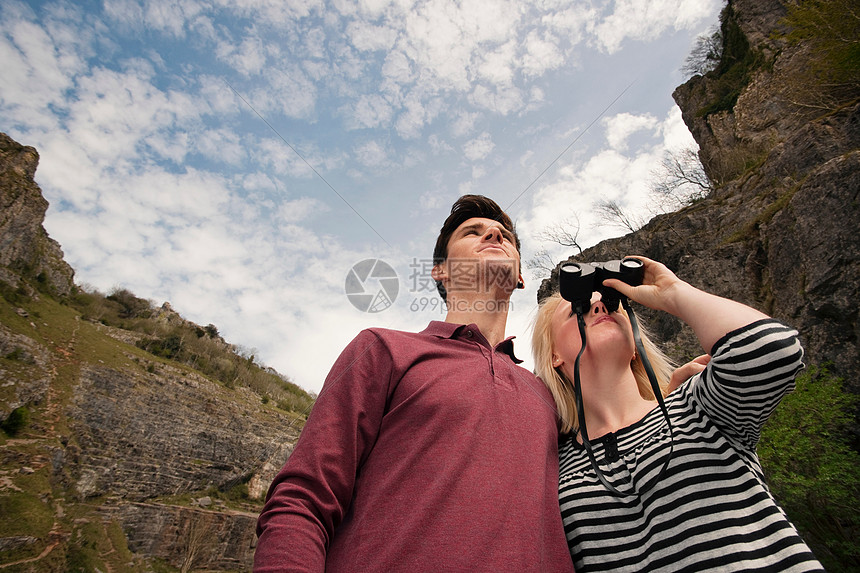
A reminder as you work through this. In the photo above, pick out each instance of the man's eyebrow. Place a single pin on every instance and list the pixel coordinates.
(483, 226)
(473, 227)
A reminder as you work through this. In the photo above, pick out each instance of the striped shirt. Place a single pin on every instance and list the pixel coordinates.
(711, 509)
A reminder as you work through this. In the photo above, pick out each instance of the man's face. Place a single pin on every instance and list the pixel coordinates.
(482, 254)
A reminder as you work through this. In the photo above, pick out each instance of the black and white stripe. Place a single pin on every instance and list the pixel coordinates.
(711, 510)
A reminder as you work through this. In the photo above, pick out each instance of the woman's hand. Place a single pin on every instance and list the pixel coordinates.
(659, 285)
(688, 370)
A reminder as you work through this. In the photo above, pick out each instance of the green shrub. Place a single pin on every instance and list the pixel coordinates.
(17, 421)
(20, 355)
(11, 294)
(130, 305)
(812, 469)
(734, 71)
(168, 347)
(832, 30)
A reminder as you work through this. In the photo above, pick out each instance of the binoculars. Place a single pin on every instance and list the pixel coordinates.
(577, 281)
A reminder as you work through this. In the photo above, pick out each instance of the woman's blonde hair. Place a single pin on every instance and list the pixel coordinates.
(562, 388)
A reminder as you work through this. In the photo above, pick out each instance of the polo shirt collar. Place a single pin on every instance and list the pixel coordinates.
(450, 330)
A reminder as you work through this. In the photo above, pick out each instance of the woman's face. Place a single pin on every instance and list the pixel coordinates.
(609, 336)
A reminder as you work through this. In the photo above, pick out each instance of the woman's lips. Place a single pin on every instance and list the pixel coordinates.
(603, 318)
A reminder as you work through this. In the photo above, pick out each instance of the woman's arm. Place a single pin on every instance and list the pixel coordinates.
(710, 316)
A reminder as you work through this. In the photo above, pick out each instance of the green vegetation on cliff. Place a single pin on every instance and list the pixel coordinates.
(738, 61)
(831, 31)
(813, 471)
(47, 344)
(165, 335)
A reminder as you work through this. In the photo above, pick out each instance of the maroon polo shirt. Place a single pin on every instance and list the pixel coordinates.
(425, 451)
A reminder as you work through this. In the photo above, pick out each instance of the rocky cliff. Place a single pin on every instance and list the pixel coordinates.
(25, 248)
(113, 458)
(779, 232)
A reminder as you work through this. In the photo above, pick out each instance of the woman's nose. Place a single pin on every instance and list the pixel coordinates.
(598, 308)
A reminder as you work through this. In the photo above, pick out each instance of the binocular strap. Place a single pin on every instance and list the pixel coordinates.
(580, 407)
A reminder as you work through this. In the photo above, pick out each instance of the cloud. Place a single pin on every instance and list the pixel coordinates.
(128, 14)
(298, 210)
(116, 115)
(501, 100)
(168, 16)
(497, 66)
(248, 58)
(370, 111)
(413, 118)
(219, 144)
(287, 91)
(621, 126)
(463, 123)
(479, 147)
(70, 177)
(276, 12)
(372, 154)
(438, 145)
(31, 58)
(272, 154)
(368, 37)
(396, 71)
(542, 53)
(676, 135)
(639, 20)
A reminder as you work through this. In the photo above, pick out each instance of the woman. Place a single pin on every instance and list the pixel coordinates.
(690, 495)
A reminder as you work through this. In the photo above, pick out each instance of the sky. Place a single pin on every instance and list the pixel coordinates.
(281, 168)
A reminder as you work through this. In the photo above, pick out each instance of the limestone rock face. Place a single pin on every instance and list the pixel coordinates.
(29, 387)
(25, 247)
(145, 434)
(780, 230)
(199, 539)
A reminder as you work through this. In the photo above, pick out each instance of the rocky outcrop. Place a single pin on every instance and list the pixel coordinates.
(25, 387)
(25, 247)
(159, 430)
(124, 457)
(779, 231)
(182, 536)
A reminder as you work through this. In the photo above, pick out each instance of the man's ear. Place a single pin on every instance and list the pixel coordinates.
(438, 272)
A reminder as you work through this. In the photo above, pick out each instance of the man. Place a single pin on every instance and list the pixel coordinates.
(428, 451)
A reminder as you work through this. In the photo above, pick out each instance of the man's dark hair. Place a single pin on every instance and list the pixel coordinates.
(465, 208)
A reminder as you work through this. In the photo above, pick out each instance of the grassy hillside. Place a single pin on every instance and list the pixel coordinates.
(45, 343)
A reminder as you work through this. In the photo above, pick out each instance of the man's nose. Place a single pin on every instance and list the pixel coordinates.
(493, 234)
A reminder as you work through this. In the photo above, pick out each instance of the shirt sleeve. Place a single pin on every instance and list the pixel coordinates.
(752, 369)
(311, 494)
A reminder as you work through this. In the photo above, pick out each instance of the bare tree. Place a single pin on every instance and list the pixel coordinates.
(564, 233)
(706, 53)
(613, 214)
(200, 542)
(541, 264)
(680, 180)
